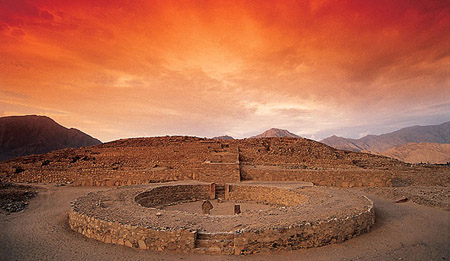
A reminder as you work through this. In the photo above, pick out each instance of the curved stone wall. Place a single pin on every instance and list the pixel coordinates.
(170, 194)
(306, 235)
(119, 217)
(136, 236)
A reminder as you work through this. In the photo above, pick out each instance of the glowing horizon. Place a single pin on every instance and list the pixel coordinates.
(211, 68)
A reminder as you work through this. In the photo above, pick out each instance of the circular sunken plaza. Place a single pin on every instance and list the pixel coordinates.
(274, 217)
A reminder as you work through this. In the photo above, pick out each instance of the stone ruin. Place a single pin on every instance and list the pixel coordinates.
(161, 159)
(167, 171)
(298, 216)
(206, 207)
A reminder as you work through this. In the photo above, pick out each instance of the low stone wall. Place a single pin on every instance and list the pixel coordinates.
(100, 177)
(134, 236)
(218, 172)
(338, 178)
(89, 216)
(170, 194)
(307, 235)
(226, 173)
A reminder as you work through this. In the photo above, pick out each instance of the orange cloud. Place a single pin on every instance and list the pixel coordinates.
(139, 68)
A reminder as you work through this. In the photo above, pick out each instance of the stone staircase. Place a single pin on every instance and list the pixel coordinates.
(211, 243)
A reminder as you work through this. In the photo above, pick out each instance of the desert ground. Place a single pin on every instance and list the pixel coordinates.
(403, 231)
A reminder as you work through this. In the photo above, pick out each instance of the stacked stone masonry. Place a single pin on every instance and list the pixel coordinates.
(332, 178)
(286, 227)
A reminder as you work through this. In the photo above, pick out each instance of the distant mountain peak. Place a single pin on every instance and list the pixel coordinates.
(33, 134)
(377, 143)
(224, 137)
(334, 137)
(274, 132)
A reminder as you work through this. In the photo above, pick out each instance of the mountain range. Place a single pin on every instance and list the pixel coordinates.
(25, 135)
(31, 134)
(379, 143)
(416, 144)
(434, 153)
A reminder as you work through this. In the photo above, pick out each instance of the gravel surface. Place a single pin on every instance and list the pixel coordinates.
(402, 232)
(14, 198)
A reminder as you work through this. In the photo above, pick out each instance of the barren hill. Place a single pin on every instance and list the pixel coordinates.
(274, 132)
(377, 143)
(420, 152)
(342, 143)
(25, 135)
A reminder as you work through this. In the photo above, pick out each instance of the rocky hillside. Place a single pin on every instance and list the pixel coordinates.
(378, 143)
(25, 135)
(274, 133)
(434, 153)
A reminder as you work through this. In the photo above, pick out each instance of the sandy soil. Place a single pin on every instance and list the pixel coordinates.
(427, 196)
(220, 208)
(403, 231)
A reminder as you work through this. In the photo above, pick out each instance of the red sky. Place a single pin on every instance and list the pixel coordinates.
(118, 69)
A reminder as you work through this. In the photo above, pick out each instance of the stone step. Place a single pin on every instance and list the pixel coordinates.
(215, 236)
(221, 243)
(214, 251)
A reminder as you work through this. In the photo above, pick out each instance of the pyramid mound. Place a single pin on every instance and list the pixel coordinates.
(160, 159)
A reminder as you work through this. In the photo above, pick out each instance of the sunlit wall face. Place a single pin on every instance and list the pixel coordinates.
(208, 68)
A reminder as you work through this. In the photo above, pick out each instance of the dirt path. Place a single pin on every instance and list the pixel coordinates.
(40, 232)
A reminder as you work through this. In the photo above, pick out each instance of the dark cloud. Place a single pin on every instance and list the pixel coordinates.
(19, 13)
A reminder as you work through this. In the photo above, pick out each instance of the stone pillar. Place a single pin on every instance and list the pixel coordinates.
(212, 191)
(227, 191)
(191, 240)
